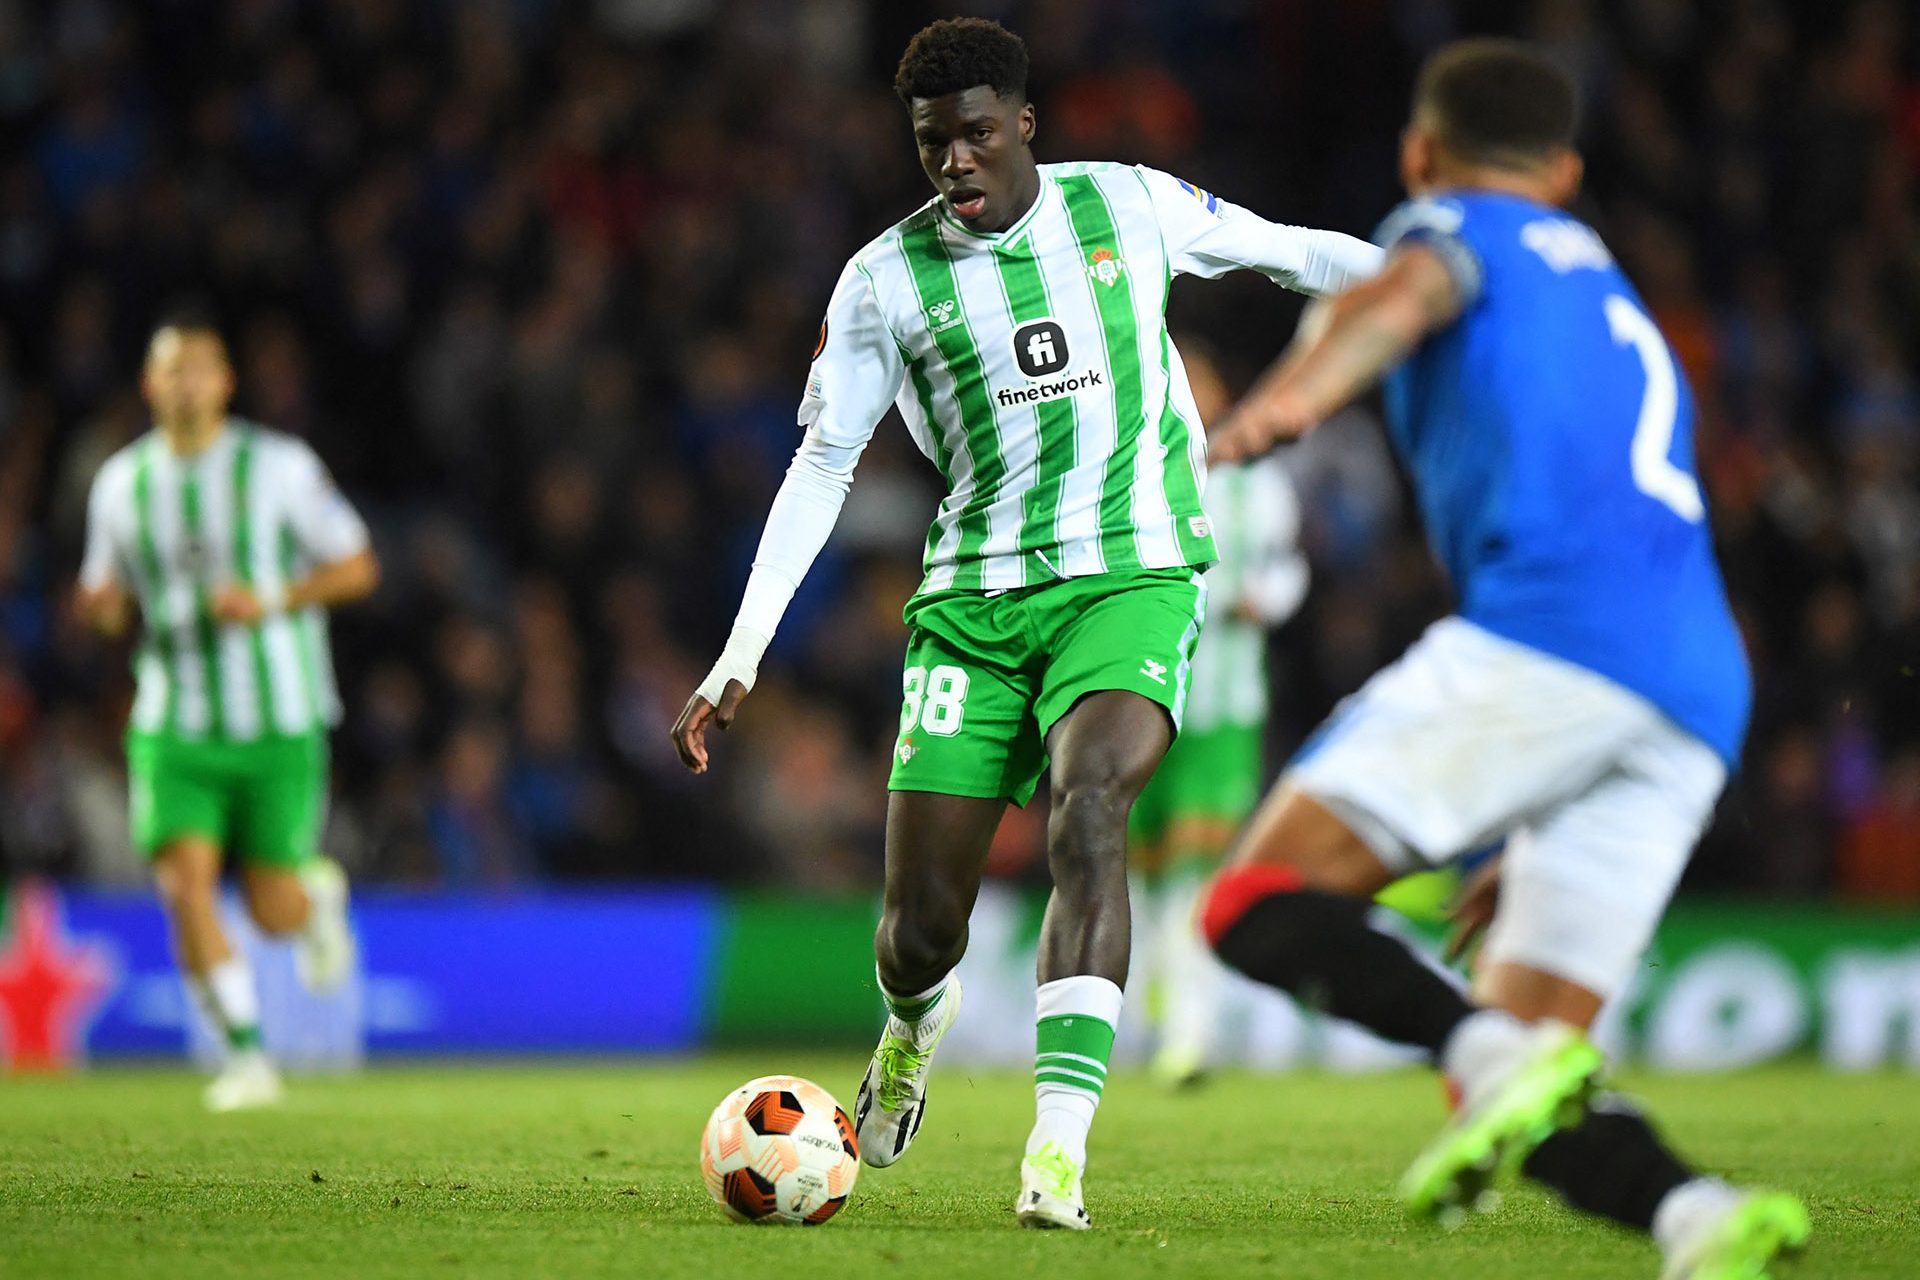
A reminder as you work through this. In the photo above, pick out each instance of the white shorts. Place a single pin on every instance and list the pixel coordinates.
(1470, 739)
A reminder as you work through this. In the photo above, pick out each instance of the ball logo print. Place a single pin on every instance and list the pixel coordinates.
(1040, 348)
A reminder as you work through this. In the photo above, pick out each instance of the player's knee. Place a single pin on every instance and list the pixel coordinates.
(277, 903)
(1089, 816)
(914, 948)
(1314, 843)
(187, 882)
(1237, 891)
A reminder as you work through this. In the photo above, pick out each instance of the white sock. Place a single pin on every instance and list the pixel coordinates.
(1481, 1047)
(1074, 1041)
(1192, 976)
(1689, 1207)
(228, 995)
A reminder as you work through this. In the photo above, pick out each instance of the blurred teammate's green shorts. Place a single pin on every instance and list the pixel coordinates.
(1210, 775)
(259, 801)
(988, 676)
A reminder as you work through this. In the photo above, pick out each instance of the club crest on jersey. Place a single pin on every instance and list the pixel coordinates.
(1104, 267)
(1207, 198)
(944, 315)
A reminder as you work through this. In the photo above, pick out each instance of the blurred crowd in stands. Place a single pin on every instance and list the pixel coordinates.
(540, 281)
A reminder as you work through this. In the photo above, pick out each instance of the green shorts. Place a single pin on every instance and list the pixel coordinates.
(988, 676)
(1211, 774)
(259, 801)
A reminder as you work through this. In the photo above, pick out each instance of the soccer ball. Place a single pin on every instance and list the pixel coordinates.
(779, 1149)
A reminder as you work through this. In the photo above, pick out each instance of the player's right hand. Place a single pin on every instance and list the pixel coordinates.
(1473, 908)
(1269, 416)
(690, 730)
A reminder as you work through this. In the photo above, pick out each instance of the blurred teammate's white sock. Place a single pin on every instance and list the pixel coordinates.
(1190, 999)
(228, 995)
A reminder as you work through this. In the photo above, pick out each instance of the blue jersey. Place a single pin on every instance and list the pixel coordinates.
(1550, 437)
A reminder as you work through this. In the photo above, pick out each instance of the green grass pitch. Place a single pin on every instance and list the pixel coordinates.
(589, 1170)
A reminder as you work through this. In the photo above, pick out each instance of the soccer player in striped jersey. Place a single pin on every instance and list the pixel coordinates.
(1187, 817)
(232, 541)
(1017, 321)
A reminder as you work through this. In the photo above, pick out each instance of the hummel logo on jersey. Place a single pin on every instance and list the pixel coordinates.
(944, 315)
(1154, 671)
(1040, 348)
(1104, 267)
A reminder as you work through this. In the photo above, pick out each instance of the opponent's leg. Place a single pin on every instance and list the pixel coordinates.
(187, 871)
(1104, 750)
(1292, 912)
(936, 847)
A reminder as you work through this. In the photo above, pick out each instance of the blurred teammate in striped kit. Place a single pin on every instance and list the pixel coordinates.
(231, 541)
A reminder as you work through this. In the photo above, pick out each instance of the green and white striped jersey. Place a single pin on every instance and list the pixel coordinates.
(258, 509)
(1258, 584)
(1034, 368)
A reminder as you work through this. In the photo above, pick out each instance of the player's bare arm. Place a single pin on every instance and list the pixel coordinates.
(105, 607)
(330, 585)
(1367, 330)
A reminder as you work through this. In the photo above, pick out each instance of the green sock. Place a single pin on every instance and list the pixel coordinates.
(1071, 1051)
(242, 1039)
(1073, 1041)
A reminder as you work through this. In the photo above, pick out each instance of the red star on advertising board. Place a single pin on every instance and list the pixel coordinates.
(49, 987)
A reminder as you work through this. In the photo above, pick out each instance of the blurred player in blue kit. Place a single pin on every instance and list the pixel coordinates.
(1584, 704)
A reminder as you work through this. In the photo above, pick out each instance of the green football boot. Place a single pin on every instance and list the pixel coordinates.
(1499, 1125)
(1761, 1227)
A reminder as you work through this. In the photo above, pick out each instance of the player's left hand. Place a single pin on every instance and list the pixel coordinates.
(236, 604)
(1270, 415)
(1473, 908)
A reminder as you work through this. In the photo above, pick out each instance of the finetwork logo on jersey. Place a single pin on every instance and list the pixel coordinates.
(1040, 349)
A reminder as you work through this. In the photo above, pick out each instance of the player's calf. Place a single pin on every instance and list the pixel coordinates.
(1264, 921)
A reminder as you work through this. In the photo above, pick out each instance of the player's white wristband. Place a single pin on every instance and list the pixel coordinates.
(272, 599)
(740, 660)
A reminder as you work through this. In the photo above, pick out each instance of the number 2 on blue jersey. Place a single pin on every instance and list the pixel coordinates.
(1654, 473)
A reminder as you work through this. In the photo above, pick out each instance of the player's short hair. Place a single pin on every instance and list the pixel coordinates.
(957, 54)
(1498, 102)
(189, 321)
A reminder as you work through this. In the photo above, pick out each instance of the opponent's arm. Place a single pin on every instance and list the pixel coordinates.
(1208, 237)
(101, 599)
(1369, 329)
(857, 371)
